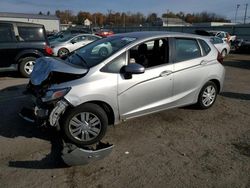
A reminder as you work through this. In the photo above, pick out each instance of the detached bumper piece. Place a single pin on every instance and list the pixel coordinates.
(75, 156)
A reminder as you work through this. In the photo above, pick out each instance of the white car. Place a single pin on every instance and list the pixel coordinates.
(223, 35)
(222, 46)
(63, 46)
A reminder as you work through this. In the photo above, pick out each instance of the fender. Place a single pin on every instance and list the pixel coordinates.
(29, 52)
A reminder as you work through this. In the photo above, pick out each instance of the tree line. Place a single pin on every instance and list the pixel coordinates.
(112, 18)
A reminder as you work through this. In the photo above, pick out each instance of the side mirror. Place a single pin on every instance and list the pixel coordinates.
(133, 68)
(73, 42)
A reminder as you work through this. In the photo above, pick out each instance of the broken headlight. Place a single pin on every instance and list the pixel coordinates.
(55, 94)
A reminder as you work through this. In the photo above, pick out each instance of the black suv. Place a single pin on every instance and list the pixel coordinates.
(20, 45)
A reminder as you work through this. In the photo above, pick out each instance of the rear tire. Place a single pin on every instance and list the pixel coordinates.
(62, 52)
(85, 125)
(207, 95)
(26, 66)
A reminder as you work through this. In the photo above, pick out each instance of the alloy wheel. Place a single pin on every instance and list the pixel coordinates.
(208, 96)
(28, 67)
(85, 126)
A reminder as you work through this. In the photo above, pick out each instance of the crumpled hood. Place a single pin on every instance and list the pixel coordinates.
(45, 65)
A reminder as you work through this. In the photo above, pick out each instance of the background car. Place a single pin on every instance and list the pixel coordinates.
(63, 46)
(223, 35)
(222, 46)
(104, 33)
(242, 46)
(20, 45)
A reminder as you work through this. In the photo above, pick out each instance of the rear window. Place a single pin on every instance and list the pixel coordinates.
(31, 33)
(206, 49)
(6, 34)
(186, 49)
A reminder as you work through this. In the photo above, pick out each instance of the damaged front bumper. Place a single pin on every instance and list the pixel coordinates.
(43, 116)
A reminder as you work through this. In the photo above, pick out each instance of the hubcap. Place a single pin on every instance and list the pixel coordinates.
(85, 126)
(208, 96)
(28, 67)
(63, 52)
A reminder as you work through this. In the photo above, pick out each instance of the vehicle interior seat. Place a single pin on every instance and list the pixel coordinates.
(142, 55)
(164, 52)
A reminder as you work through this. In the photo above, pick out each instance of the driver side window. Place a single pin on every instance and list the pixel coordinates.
(151, 53)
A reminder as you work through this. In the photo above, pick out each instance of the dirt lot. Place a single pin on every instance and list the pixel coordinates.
(177, 148)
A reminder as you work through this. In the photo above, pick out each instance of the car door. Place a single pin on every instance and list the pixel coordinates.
(78, 42)
(8, 45)
(145, 93)
(189, 70)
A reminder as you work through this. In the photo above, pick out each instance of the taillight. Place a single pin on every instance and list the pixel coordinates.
(219, 57)
(48, 50)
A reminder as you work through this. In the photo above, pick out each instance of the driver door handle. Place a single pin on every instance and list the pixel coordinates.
(203, 62)
(166, 73)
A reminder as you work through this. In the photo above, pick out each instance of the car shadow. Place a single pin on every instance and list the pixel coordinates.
(243, 64)
(12, 74)
(11, 126)
(241, 96)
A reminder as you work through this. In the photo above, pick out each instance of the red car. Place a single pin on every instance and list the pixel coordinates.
(104, 33)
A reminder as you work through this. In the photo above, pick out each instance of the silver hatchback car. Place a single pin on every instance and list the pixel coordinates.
(121, 77)
(63, 46)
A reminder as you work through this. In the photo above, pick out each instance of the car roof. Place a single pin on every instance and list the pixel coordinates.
(22, 23)
(212, 31)
(154, 34)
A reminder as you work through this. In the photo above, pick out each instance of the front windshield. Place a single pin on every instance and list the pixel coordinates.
(64, 38)
(96, 52)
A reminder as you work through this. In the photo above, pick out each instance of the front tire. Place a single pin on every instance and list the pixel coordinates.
(207, 95)
(26, 66)
(85, 125)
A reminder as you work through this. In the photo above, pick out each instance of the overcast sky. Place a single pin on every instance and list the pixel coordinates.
(225, 8)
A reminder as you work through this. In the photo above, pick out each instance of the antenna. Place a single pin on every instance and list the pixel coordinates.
(245, 14)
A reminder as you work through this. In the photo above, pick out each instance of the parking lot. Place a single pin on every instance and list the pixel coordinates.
(183, 147)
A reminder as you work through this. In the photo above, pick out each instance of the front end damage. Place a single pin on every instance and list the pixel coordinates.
(49, 106)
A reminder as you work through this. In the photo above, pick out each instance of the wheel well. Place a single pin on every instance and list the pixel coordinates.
(217, 83)
(107, 108)
(26, 55)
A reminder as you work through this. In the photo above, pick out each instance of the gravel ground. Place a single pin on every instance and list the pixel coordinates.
(183, 147)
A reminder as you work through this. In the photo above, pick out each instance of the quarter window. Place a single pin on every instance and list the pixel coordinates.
(186, 49)
(115, 65)
(31, 33)
(206, 49)
(6, 34)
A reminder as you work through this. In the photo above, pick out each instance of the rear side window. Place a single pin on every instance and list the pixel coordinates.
(186, 49)
(206, 49)
(31, 33)
(6, 34)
